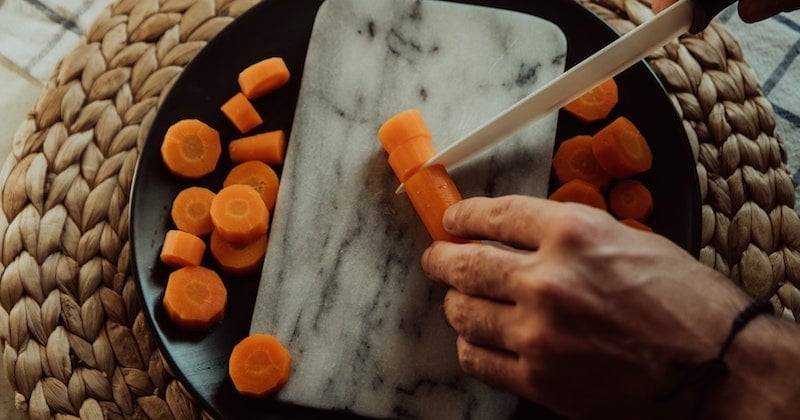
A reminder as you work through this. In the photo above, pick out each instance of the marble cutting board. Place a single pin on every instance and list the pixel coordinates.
(342, 286)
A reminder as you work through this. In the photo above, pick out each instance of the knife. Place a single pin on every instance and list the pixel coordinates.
(684, 16)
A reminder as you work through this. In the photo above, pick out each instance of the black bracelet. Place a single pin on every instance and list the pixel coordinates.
(705, 372)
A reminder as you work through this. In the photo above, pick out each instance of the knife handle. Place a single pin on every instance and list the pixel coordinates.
(704, 11)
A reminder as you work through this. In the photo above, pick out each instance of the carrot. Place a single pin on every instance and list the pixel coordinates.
(263, 77)
(182, 249)
(630, 199)
(241, 113)
(259, 365)
(191, 148)
(195, 297)
(636, 225)
(595, 104)
(239, 214)
(269, 147)
(190, 210)
(432, 191)
(621, 149)
(238, 259)
(401, 128)
(574, 160)
(409, 156)
(578, 191)
(258, 175)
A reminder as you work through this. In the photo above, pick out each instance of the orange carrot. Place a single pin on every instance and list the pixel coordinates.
(259, 365)
(195, 297)
(263, 77)
(409, 156)
(190, 210)
(578, 191)
(241, 113)
(621, 149)
(269, 147)
(432, 191)
(401, 128)
(182, 249)
(630, 199)
(636, 225)
(595, 104)
(258, 175)
(239, 214)
(191, 149)
(574, 160)
(238, 259)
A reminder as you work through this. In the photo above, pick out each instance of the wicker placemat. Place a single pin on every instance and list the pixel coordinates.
(74, 339)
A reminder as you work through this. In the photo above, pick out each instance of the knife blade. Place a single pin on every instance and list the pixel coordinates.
(684, 16)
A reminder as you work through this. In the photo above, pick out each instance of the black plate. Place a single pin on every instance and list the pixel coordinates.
(282, 28)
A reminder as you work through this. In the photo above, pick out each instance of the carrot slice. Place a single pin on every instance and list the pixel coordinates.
(190, 210)
(269, 147)
(182, 249)
(191, 148)
(409, 156)
(595, 104)
(241, 113)
(574, 160)
(621, 149)
(195, 297)
(239, 214)
(432, 191)
(636, 225)
(579, 191)
(259, 365)
(258, 175)
(263, 77)
(238, 259)
(630, 199)
(402, 128)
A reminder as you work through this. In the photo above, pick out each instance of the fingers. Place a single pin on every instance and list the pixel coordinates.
(480, 321)
(496, 368)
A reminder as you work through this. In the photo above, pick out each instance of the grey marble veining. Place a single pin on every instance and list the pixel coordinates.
(342, 285)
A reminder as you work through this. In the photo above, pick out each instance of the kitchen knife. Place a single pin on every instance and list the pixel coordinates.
(684, 16)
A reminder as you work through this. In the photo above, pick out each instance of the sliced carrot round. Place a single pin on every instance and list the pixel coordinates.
(259, 176)
(621, 149)
(241, 113)
(579, 191)
(195, 297)
(269, 147)
(263, 77)
(239, 214)
(636, 225)
(630, 199)
(190, 210)
(182, 249)
(401, 128)
(259, 365)
(238, 259)
(574, 160)
(595, 104)
(191, 149)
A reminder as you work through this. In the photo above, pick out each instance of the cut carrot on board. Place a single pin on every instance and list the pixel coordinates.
(190, 210)
(195, 297)
(263, 77)
(239, 214)
(630, 199)
(241, 113)
(259, 365)
(621, 149)
(402, 128)
(191, 148)
(574, 160)
(258, 175)
(432, 191)
(636, 225)
(182, 249)
(238, 259)
(595, 104)
(269, 147)
(578, 191)
(408, 157)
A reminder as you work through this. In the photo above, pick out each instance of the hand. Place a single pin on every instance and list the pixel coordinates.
(576, 311)
(749, 10)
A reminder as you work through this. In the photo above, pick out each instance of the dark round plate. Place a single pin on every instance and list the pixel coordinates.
(282, 28)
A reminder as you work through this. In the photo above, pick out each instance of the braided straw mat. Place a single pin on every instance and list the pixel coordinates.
(75, 342)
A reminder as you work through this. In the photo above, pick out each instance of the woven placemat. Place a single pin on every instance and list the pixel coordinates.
(75, 342)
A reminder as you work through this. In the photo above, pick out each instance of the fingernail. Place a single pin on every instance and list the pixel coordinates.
(449, 221)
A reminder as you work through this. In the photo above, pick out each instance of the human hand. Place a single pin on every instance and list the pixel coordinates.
(576, 311)
(749, 10)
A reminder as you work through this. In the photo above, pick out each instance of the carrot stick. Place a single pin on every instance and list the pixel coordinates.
(195, 297)
(182, 249)
(636, 225)
(630, 199)
(401, 128)
(258, 175)
(269, 147)
(191, 149)
(239, 214)
(238, 259)
(259, 365)
(432, 191)
(621, 149)
(190, 210)
(241, 113)
(574, 160)
(263, 77)
(595, 104)
(578, 191)
(409, 156)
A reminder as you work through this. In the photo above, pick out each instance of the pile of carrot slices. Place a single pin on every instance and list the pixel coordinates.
(230, 224)
(600, 170)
